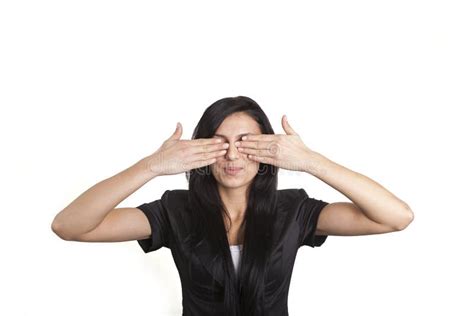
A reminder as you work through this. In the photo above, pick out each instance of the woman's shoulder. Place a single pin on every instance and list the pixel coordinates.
(286, 195)
(177, 193)
(176, 198)
(289, 199)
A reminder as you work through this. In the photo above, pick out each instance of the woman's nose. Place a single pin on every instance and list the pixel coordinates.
(232, 152)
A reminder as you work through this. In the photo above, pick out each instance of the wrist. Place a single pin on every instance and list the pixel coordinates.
(145, 168)
(317, 164)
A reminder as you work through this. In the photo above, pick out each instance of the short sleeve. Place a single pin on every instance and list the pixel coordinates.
(307, 217)
(157, 214)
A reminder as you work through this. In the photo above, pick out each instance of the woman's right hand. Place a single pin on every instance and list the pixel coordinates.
(179, 155)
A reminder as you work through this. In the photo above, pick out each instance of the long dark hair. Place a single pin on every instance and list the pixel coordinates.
(243, 295)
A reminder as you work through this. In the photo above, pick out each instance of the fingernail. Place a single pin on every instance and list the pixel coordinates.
(244, 138)
(237, 143)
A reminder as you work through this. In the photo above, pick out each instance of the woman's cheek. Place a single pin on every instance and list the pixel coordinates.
(253, 166)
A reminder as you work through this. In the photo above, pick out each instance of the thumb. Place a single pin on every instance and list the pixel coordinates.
(286, 126)
(177, 132)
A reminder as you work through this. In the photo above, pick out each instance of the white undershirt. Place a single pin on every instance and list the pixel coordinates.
(236, 251)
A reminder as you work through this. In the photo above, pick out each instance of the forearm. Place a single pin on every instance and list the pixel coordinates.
(89, 209)
(375, 201)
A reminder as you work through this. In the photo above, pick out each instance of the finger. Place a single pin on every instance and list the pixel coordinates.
(201, 163)
(205, 141)
(260, 144)
(266, 137)
(256, 152)
(207, 148)
(286, 126)
(177, 132)
(261, 159)
(208, 155)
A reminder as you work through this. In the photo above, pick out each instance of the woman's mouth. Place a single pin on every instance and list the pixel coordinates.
(232, 171)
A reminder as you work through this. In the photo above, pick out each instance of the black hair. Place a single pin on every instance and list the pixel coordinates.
(243, 295)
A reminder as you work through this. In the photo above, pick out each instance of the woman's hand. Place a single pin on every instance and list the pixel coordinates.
(179, 155)
(285, 151)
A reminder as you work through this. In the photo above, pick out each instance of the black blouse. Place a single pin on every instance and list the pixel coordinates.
(297, 217)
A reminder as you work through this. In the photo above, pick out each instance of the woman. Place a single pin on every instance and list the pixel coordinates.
(231, 164)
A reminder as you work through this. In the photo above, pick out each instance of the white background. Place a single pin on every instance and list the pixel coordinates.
(87, 88)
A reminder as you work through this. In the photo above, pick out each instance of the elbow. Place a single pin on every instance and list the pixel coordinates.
(406, 219)
(57, 228)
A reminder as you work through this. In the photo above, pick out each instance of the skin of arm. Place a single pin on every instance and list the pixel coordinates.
(87, 217)
(374, 209)
(90, 208)
(369, 197)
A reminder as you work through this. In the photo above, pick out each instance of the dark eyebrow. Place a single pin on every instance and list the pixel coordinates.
(238, 136)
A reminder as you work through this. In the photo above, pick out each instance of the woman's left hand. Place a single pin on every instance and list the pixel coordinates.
(285, 151)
